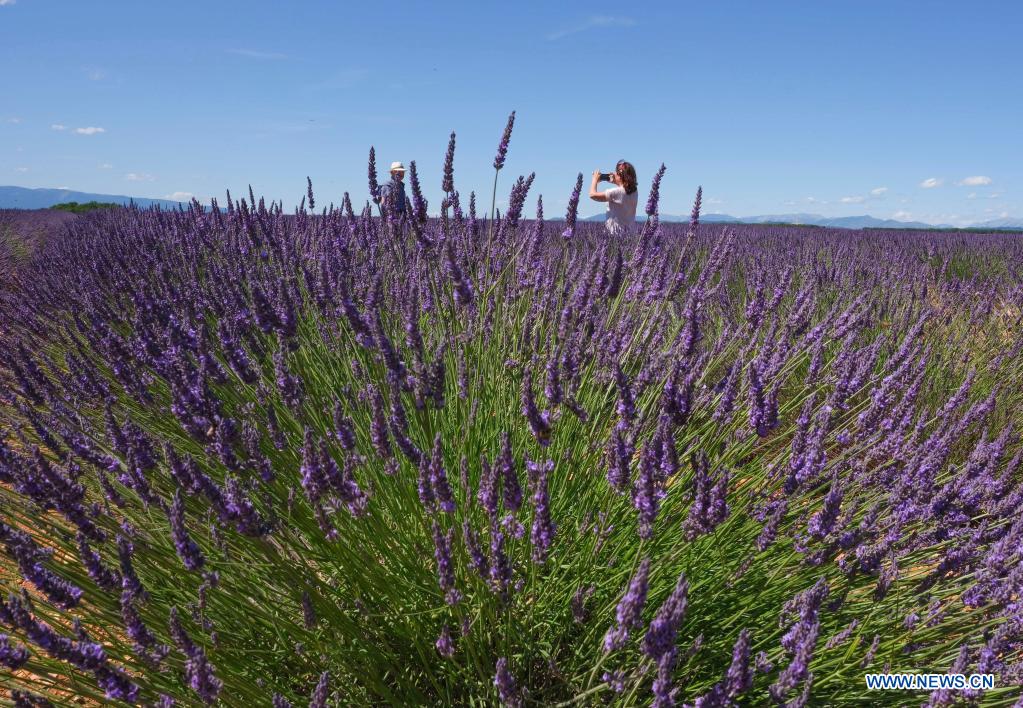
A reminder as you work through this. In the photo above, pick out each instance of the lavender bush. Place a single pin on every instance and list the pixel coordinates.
(250, 457)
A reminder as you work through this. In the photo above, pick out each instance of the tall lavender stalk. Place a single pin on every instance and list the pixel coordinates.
(573, 209)
(502, 152)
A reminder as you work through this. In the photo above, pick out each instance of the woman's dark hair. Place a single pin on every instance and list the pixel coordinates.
(627, 173)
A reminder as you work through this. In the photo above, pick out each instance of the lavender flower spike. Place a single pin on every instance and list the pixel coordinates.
(448, 184)
(507, 690)
(655, 192)
(660, 637)
(542, 534)
(629, 609)
(187, 549)
(321, 692)
(539, 422)
(502, 148)
(374, 187)
(13, 656)
(573, 209)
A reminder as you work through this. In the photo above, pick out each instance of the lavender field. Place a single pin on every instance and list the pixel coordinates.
(250, 457)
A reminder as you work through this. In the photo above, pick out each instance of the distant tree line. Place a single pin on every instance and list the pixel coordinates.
(76, 208)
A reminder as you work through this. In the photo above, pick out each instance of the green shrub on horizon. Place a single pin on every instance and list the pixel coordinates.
(84, 207)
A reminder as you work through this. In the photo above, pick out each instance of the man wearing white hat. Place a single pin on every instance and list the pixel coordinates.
(392, 195)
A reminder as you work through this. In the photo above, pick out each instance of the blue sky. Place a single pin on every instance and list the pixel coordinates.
(896, 109)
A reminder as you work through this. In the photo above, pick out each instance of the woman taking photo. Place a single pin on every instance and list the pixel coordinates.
(621, 199)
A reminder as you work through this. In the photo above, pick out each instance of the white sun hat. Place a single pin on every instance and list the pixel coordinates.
(397, 167)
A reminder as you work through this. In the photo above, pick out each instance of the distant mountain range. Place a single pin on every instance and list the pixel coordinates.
(841, 222)
(24, 198)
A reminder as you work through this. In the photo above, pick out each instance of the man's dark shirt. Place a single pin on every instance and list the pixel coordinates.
(392, 196)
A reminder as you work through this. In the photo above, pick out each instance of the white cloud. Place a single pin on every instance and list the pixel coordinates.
(105, 166)
(592, 23)
(971, 195)
(14, 119)
(853, 200)
(94, 73)
(180, 196)
(994, 196)
(931, 183)
(7, 2)
(902, 215)
(89, 131)
(256, 54)
(57, 126)
(139, 177)
(21, 169)
(977, 181)
(814, 200)
(878, 191)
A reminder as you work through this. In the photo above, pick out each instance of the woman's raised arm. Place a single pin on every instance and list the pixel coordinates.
(594, 194)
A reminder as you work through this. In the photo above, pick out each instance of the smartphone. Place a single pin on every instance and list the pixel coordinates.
(605, 177)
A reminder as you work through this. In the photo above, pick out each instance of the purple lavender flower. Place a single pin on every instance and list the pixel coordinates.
(341, 482)
(27, 699)
(573, 209)
(487, 491)
(308, 611)
(626, 402)
(424, 487)
(629, 609)
(619, 456)
(374, 187)
(507, 689)
(655, 192)
(645, 496)
(539, 423)
(29, 557)
(321, 693)
(448, 184)
(279, 701)
(145, 641)
(477, 559)
(378, 426)
(198, 670)
(542, 534)
(663, 630)
(664, 694)
(445, 569)
(188, 550)
(710, 506)
(868, 658)
(13, 656)
(438, 478)
(823, 521)
(288, 385)
(517, 199)
(103, 576)
(445, 645)
(582, 594)
(739, 678)
(615, 680)
(419, 203)
(694, 217)
(505, 467)
(502, 148)
(500, 565)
